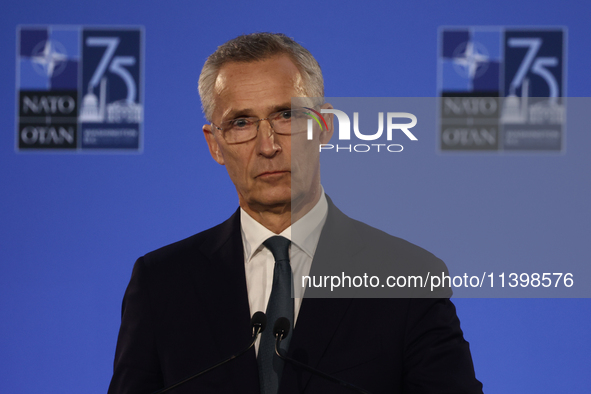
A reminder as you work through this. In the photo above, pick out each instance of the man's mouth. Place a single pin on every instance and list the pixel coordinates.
(272, 174)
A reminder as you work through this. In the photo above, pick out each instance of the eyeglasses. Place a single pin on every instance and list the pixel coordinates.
(286, 122)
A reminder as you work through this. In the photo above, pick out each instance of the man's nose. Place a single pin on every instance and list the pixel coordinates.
(266, 138)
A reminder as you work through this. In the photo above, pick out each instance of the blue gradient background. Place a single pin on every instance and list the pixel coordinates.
(73, 224)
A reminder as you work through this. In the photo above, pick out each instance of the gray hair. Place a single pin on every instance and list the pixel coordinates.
(256, 47)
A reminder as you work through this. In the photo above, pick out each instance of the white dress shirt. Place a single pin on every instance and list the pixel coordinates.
(259, 262)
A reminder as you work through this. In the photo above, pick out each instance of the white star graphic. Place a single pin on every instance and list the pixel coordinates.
(471, 59)
(50, 58)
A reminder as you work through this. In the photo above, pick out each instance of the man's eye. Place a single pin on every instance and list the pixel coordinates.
(285, 115)
(240, 123)
(298, 114)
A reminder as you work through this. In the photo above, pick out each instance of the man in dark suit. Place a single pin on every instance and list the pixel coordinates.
(188, 305)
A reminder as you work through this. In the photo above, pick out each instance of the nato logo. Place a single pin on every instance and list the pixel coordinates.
(79, 88)
(501, 89)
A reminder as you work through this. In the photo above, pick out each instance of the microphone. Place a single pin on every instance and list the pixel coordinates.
(258, 324)
(280, 331)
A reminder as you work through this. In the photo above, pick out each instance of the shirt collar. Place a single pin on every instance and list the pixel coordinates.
(304, 233)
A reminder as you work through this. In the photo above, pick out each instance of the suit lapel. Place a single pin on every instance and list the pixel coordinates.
(222, 279)
(319, 318)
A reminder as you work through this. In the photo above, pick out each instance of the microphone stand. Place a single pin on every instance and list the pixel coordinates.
(259, 321)
(281, 330)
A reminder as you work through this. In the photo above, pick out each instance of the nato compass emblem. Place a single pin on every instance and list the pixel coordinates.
(49, 58)
(501, 89)
(79, 88)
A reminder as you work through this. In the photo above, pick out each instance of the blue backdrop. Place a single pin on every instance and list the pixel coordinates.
(73, 224)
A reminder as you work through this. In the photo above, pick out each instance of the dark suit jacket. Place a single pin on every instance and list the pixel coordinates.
(186, 308)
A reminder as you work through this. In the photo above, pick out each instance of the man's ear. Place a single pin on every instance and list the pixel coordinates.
(214, 147)
(326, 135)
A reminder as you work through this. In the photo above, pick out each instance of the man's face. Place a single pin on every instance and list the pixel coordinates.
(262, 169)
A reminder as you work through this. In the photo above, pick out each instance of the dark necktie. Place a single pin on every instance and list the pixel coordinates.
(280, 305)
